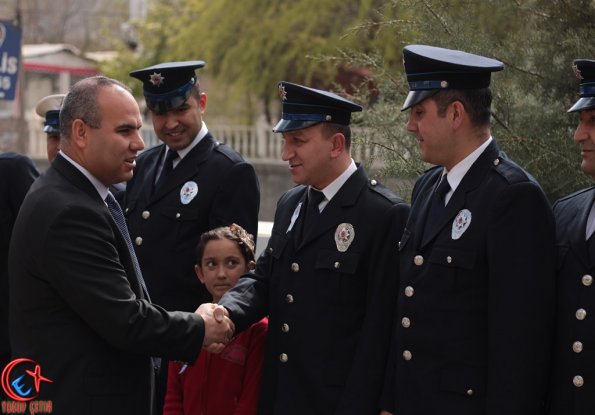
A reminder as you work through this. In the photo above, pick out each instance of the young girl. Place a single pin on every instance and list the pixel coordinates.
(226, 383)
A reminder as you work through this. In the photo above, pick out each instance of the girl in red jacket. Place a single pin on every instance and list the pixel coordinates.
(227, 383)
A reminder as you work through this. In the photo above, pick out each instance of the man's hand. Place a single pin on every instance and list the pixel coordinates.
(219, 328)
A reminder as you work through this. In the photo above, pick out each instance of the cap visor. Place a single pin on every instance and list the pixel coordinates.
(291, 125)
(415, 97)
(48, 129)
(583, 104)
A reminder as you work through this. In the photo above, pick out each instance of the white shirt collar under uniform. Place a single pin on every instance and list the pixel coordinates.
(456, 174)
(333, 188)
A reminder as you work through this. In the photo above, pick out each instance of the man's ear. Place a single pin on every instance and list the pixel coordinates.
(79, 133)
(458, 114)
(338, 144)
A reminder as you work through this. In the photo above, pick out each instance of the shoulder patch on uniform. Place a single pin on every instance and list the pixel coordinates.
(228, 152)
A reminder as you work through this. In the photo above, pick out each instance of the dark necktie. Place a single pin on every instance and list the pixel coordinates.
(312, 210)
(168, 166)
(437, 204)
(118, 215)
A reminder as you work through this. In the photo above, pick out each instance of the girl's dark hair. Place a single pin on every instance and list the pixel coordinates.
(232, 232)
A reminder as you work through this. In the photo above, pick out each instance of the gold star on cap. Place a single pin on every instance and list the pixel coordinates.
(156, 79)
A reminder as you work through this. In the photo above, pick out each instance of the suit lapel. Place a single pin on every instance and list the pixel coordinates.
(472, 179)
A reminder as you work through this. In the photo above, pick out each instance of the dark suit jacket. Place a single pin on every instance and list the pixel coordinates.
(475, 308)
(169, 229)
(17, 173)
(330, 311)
(574, 352)
(76, 307)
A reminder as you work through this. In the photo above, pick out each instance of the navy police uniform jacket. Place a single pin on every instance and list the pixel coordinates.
(17, 173)
(475, 307)
(573, 379)
(329, 310)
(211, 186)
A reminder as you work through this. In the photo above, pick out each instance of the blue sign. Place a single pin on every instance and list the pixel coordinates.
(10, 53)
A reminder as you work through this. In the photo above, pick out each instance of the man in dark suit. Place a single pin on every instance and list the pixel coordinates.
(475, 305)
(186, 186)
(322, 279)
(17, 173)
(79, 313)
(573, 379)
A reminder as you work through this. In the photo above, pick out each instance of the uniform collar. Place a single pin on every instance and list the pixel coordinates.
(333, 188)
(456, 174)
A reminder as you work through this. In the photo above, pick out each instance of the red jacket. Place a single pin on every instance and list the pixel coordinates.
(220, 384)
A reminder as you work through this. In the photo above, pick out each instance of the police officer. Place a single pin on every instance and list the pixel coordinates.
(476, 297)
(49, 108)
(17, 173)
(189, 184)
(321, 279)
(573, 380)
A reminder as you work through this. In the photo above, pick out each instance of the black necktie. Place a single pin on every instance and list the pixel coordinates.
(437, 204)
(312, 209)
(118, 215)
(168, 166)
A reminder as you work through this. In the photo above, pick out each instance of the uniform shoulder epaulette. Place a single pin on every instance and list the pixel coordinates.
(228, 152)
(574, 194)
(511, 171)
(382, 190)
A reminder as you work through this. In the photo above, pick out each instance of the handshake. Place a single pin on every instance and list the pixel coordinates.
(219, 329)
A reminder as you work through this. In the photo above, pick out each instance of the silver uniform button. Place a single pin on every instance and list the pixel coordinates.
(127, 209)
(418, 260)
(581, 314)
(449, 259)
(577, 347)
(289, 298)
(337, 265)
(138, 241)
(178, 215)
(405, 322)
(285, 328)
(373, 182)
(470, 392)
(295, 267)
(409, 291)
(578, 381)
(587, 280)
(496, 162)
(283, 358)
(407, 355)
(146, 214)
(271, 249)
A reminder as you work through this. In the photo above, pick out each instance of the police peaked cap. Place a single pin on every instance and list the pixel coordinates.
(431, 69)
(167, 86)
(304, 107)
(584, 69)
(49, 108)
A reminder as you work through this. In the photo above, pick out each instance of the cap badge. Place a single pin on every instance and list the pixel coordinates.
(156, 79)
(577, 71)
(282, 93)
(461, 223)
(344, 236)
(188, 192)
